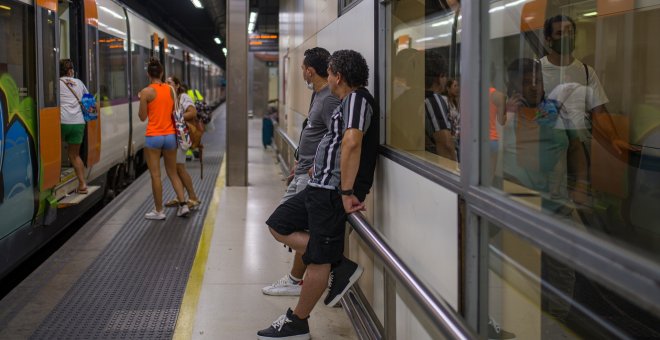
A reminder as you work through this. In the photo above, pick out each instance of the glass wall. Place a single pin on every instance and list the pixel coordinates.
(575, 90)
(532, 295)
(423, 81)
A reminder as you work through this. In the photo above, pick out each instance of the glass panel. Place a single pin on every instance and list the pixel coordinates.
(533, 296)
(575, 113)
(49, 48)
(92, 59)
(139, 60)
(112, 66)
(423, 93)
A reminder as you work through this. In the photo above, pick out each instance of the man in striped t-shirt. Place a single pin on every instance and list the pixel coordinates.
(342, 176)
(437, 127)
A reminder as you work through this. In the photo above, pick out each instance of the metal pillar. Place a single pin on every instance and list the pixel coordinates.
(237, 11)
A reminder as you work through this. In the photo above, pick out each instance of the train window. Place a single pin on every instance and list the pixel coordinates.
(112, 66)
(139, 60)
(574, 113)
(531, 295)
(423, 97)
(50, 62)
(17, 49)
(346, 5)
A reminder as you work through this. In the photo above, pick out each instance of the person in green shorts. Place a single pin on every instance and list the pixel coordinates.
(73, 123)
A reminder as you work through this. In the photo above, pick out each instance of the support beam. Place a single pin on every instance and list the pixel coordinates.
(237, 82)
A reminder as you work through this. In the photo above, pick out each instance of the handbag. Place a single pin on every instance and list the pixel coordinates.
(182, 133)
(87, 104)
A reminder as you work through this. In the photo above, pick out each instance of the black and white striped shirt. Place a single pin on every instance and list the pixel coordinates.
(436, 117)
(355, 112)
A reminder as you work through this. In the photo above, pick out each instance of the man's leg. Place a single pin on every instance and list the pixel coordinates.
(299, 267)
(316, 281)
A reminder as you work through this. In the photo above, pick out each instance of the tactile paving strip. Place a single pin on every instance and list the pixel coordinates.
(134, 289)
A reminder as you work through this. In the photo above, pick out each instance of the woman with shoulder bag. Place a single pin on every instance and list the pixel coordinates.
(72, 121)
(189, 112)
(157, 105)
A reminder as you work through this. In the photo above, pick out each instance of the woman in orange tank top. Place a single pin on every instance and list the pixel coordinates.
(157, 105)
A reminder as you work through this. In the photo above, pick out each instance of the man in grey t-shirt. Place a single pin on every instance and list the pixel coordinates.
(315, 75)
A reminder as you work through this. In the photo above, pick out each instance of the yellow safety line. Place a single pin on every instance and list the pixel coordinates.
(188, 311)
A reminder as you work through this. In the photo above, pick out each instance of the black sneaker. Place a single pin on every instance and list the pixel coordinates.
(342, 278)
(287, 326)
(495, 332)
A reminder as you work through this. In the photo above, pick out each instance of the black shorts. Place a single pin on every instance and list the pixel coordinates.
(320, 211)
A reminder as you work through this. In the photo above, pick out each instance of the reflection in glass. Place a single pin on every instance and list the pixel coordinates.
(423, 112)
(578, 134)
(533, 296)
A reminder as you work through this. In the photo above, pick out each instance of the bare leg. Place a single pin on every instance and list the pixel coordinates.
(78, 166)
(316, 281)
(298, 268)
(186, 180)
(170, 167)
(153, 163)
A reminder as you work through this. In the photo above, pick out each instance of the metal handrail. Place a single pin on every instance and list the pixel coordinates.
(442, 316)
(287, 139)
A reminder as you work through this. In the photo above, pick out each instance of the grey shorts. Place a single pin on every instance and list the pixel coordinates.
(298, 184)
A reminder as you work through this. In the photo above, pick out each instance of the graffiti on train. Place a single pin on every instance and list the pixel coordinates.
(18, 165)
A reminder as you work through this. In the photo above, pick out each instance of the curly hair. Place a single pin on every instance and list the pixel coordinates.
(154, 68)
(65, 66)
(352, 67)
(317, 58)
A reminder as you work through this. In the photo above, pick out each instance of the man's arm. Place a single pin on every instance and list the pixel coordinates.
(444, 144)
(603, 123)
(351, 148)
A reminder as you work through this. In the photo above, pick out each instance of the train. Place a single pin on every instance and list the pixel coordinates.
(475, 231)
(109, 45)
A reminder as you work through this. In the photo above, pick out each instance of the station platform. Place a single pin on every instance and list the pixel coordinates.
(123, 277)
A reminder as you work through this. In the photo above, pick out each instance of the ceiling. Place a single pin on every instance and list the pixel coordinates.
(198, 27)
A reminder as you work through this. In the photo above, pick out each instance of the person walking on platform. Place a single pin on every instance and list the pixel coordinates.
(71, 115)
(317, 124)
(343, 172)
(157, 105)
(189, 112)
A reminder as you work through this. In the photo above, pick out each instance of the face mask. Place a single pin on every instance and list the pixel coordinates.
(564, 45)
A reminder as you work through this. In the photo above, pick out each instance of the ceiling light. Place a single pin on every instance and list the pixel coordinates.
(224, 50)
(197, 3)
(111, 12)
(217, 40)
(590, 14)
(252, 22)
(7, 8)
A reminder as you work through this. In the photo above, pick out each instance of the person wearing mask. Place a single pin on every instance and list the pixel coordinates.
(189, 112)
(71, 117)
(576, 86)
(343, 173)
(157, 106)
(317, 124)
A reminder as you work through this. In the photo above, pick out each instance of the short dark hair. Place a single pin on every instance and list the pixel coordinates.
(352, 67)
(65, 66)
(317, 58)
(547, 26)
(154, 68)
(518, 68)
(436, 66)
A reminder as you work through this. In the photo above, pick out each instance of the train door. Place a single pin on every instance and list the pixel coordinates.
(77, 41)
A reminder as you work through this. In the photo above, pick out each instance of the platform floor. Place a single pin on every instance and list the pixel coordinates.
(221, 299)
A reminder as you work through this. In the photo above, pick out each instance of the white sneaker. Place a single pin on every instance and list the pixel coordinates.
(283, 287)
(155, 215)
(183, 210)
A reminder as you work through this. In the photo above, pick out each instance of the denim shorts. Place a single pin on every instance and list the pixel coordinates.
(165, 142)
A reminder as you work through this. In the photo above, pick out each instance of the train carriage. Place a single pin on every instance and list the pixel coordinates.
(109, 46)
